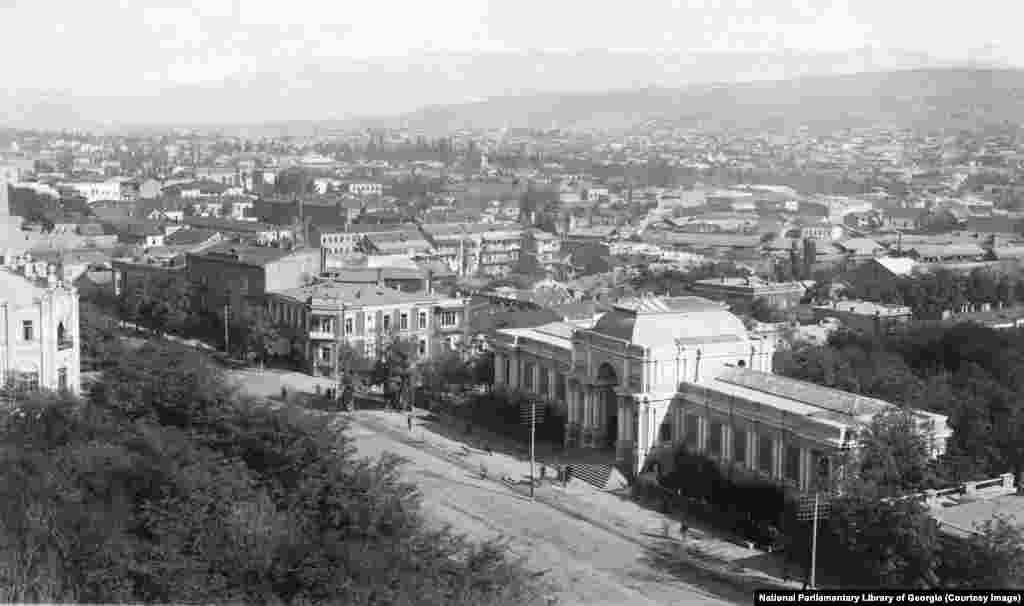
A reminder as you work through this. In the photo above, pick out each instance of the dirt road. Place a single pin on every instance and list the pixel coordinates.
(591, 566)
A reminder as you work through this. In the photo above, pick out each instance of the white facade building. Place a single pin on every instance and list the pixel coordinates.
(39, 336)
(655, 374)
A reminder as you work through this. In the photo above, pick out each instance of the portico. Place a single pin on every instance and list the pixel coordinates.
(655, 374)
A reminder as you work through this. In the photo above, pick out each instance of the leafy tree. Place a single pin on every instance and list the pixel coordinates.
(894, 455)
(483, 369)
(445, 371)
(165, 305)
(892, 544)
(164, 486)
(992, 557)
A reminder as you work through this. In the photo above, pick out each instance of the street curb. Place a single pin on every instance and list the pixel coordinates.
(731, 579)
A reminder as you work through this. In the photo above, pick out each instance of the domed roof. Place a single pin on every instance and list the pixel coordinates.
(659, 322)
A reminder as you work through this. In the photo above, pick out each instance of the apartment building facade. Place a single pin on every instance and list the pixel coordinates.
(366, 318)
(239, 277)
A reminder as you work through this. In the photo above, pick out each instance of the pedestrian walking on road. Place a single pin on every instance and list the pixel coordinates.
(487, 449)
(410, 422)
(683, 529)
(284, 392)
(567, 477)
(543, 472)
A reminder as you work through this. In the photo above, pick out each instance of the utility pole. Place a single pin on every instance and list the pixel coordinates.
(529, 412)
(227, 324)
(533, 435)
(814, 542)
(813, 509)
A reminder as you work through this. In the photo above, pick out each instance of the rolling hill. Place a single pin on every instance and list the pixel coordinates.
(940, 98)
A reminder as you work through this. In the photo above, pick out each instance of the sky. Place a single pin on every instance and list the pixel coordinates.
(106, 47)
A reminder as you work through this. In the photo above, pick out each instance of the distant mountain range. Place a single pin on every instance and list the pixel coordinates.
(541, 89)
(938, 98)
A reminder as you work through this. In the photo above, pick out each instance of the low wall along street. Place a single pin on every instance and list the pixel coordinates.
(889, 597)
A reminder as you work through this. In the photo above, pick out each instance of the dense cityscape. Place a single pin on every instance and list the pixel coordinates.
(661, 362)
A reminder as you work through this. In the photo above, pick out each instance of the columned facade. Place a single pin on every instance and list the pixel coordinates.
(664, 374)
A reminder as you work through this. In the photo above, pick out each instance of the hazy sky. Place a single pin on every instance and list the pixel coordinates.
(103, 46)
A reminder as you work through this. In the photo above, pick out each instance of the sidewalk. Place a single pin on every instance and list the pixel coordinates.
(704, 548)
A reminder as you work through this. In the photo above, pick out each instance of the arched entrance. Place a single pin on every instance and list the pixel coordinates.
(607, 381)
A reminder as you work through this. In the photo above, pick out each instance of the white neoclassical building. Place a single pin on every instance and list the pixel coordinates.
(39, 338)
(657, 373)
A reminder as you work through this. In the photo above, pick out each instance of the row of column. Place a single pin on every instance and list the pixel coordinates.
(507, 372)
(751, 452)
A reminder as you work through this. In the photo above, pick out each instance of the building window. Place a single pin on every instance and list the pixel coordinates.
(62, 379)
(403, 322)
(527, 380)
(692, 428)
(27, 330)
(715, 439)
(560, 387)
(348, 326)
(423, 320)
(739, 446)
(665, 431)
(448, 319)
(792, 465)
(423, 347)
(325, 354)
(386, 324)
(765, 454)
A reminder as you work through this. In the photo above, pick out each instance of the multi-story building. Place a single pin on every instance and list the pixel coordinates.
(39, 346)
(103, 190)
(653, 375)
(240, 276)
(366, 318)
(457, 245)
(746, 290)
(365, 189)
(865, 316)
(546, 249)
(499, 250)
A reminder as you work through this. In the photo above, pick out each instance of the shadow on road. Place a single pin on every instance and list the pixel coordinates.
(676, 558)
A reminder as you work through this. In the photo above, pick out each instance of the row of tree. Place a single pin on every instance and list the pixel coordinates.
(968, 372)
(930, 294)
(165, 485)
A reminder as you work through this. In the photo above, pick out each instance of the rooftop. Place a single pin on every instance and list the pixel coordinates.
(356, 294)
(247, 254)
(900, 266)
(659, 322)
(751, 282)
(849, 405)
(557, 334)
(866, 308)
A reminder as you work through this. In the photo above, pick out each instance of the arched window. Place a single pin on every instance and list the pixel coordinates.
(60, 333)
